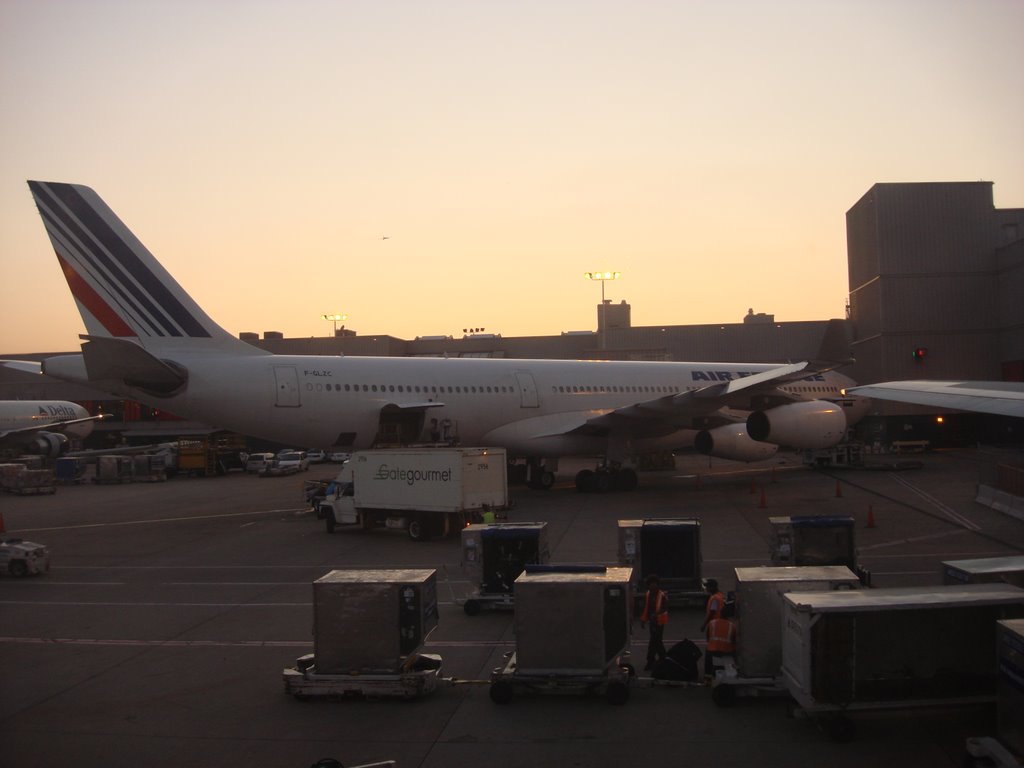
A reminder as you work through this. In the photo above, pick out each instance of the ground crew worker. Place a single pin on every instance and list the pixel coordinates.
(721, 637)
(655, 613)
(716, 601)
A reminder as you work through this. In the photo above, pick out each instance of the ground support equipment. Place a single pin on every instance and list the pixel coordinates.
(613, 682)
(419, 678)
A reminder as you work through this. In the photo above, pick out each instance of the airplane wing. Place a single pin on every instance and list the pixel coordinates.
(49, 426)
(702, 407)
(1003, 398)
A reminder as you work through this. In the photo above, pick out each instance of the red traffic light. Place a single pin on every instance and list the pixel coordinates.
(920, 353)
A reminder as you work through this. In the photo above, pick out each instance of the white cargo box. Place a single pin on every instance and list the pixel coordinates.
(372, 619)
(759, 609)
(1010, 688)
(570, 621)
(879, 648)
(984, 570)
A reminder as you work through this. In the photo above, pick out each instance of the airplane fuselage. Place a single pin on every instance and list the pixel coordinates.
(531, 407)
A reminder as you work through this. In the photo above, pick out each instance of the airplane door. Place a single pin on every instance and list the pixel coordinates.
(527, 390)
(287, 380)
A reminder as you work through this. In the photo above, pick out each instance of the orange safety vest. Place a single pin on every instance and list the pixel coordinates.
(721, 636)
(715, 604)
(660, 612)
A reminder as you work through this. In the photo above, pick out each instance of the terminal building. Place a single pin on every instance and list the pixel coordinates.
(936, 278)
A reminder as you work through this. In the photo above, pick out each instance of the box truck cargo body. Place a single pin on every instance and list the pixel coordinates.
(427, 491)
(759, 609)
(984, 570)
(878, 648)
(570, 622)
(371, 620)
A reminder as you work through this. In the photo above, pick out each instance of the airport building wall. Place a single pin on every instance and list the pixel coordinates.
(936, 273)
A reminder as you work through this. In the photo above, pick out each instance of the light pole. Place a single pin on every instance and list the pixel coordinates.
(335, 319)
(603, 277)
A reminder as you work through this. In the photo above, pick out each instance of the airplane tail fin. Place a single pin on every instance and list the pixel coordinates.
(121, 290)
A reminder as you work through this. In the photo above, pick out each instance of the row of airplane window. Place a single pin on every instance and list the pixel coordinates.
(497, 390)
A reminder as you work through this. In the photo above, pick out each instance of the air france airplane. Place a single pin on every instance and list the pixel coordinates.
(148, 340)
(42, 426)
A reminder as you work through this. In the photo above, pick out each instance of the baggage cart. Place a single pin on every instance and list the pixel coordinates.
(368, 627)
(892, 648)
(572, 627)
(669, 548)
(420, 677)
(1007, 748)
(816, 540)
(493, 555)
(756, 667)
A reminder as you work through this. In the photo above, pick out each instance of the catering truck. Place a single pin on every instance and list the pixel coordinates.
(427, 492)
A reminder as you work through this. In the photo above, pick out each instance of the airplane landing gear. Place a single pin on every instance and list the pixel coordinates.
(604, 479)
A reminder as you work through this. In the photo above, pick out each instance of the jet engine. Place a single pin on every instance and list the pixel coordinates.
(732, 442)
(811, 424)
(49, 444)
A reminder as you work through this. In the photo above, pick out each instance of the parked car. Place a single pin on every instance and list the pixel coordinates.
(339, 457)
(287, 463)
(257, 462)
(316, 456)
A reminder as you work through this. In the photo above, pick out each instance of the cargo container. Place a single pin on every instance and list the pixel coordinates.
(984, 570)
(893, 648)
(668, 548)
(114, 469)
(493, 556)
(759, 609)
(425, 491)
(572, 627)
(1006, 750)
(368, 628)
(816, 540)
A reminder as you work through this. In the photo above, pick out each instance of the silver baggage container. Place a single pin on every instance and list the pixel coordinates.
(759, 609)
(572, 622)
(984, 570)
(813, 540)
(371, 620)
(494, 554)
(889, 648)
(667, 547)
(1010, 686)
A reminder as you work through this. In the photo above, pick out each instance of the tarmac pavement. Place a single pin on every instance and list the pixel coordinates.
(159, 636)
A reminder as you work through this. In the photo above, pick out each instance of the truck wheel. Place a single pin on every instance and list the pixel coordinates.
(502, 692)
(18, 568)
(329, 522)
(416, 532)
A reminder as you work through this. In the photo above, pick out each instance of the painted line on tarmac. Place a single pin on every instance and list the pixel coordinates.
(122, 523)
(911, 540)
(111, 604)
(947, 510)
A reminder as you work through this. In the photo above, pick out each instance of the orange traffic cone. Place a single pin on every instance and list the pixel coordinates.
(839, 490)
(871, 517)
(764, 502)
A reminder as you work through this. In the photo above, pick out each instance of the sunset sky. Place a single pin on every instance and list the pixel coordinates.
(430, 166)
